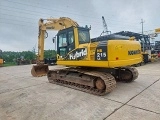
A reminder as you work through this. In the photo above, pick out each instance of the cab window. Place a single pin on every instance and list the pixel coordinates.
(62, 52)
(83, 36)
(62, 40)
(70, 37)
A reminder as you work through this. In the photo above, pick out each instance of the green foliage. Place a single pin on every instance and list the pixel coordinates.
(9, 64)
(11, 56)
(50, 54)
(8, 56)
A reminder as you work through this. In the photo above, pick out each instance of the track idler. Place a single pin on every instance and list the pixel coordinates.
(128, 74)
(39, 70)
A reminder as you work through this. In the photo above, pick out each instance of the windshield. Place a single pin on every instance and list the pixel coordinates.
(83, 36)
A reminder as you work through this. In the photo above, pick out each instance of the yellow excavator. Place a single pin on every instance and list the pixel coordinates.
(92, 65)
(1, 60)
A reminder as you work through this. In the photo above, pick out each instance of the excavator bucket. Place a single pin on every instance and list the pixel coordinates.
(39, 70)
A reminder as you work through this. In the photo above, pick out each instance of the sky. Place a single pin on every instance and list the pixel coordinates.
(19, 18)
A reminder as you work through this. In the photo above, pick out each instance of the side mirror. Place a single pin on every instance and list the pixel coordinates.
(53, 39)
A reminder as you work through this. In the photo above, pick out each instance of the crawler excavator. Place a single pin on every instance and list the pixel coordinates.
(92, 65)
(1, 60)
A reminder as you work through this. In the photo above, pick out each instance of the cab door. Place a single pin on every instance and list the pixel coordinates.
(71, 41)
(65, 42)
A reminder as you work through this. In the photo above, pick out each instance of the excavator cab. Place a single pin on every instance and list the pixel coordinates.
(69, 39)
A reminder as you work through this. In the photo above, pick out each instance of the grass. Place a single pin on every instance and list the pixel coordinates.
(7, 64)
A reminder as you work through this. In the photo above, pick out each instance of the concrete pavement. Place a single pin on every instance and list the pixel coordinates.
(23, 97)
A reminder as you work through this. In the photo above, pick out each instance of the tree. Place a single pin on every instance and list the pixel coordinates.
(50, 54)
(11, 56)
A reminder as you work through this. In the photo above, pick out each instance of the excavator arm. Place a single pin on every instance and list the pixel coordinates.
(51, 24)
(48, 24)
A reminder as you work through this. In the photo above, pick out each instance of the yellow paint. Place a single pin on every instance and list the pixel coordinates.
(117, 52)
(99, 50)
(120, 48)
(157, 30)
(76, 37)
(1, 61)
(105, 64)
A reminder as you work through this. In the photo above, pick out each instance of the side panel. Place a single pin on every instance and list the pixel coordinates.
(123, 53)
(86, 63)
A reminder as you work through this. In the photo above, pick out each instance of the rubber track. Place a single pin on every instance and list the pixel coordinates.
(109, 81)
